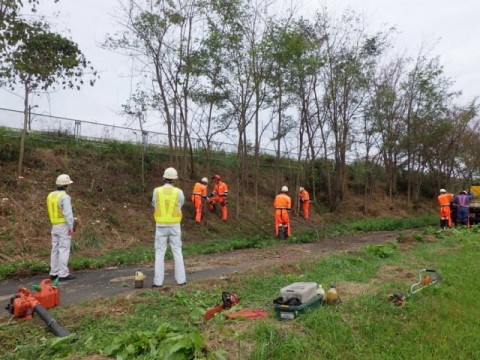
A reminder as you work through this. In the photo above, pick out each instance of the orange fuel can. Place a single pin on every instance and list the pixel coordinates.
(48, 295)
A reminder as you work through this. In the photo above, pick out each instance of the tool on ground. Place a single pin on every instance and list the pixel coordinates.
(23, 306)
(332, 295)
(139, 277)
(247, 314)
(228, 300)
(293, 309)
(303, 291)
(321, 292)
(397, 299)
(427, 277)
(47, 293)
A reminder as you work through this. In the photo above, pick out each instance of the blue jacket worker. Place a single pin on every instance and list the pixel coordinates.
(462, 203)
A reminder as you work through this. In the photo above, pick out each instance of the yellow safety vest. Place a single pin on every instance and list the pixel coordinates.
(166, 208)
(54, 211)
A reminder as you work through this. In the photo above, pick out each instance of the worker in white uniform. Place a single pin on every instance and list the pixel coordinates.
(168, 201)
(59, 205)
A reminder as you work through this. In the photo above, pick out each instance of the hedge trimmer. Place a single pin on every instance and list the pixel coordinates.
(427, 277)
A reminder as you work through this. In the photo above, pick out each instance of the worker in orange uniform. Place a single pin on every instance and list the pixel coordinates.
(304, 198)
(198, 194)
(444, 200)
(282, 205)
(219, 195)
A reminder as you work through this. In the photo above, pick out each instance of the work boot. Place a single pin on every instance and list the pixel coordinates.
(68, 277)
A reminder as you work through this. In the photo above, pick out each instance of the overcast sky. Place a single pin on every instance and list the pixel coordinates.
(452, 27)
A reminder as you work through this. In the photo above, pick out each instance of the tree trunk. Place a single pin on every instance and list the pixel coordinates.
(23, 134)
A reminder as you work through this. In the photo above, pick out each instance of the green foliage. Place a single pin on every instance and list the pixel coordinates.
(381, 250)
(23, 267)
(418, 237)
(112, 219)
(55, 348)
(89, 236)
(33, 55)
(120, 148)
(134, 188)
(8, 152)
(167, 342)
(281, 345)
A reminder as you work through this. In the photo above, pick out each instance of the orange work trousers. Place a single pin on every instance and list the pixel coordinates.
(445, 214)
(305, 208)
(282, 218)
(223, 205)
(197, 204)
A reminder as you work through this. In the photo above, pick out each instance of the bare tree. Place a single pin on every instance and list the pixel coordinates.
(387, 108)
(350, 54)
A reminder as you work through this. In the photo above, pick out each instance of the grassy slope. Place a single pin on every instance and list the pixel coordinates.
(115, 217)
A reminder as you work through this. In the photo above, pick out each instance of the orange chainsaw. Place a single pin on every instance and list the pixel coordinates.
(228, 300)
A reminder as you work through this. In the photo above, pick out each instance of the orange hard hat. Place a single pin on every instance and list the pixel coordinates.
(216, 177)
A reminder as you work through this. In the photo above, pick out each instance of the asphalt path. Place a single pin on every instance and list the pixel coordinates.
(107, 282)
(93, 284)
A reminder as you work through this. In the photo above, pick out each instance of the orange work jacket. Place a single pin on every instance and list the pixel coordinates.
(282, 201)
(445, 199)
(304, 196)
(220, 189)
(200, 189)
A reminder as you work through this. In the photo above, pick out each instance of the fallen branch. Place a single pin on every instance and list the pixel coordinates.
(16, 203)
(5, 257)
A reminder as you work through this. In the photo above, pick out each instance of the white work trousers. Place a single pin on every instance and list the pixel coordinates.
(60, 250)
(171, 234)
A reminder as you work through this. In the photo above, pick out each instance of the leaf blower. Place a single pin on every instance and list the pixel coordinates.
(23, 306)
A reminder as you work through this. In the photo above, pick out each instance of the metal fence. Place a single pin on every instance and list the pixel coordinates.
(88, 130)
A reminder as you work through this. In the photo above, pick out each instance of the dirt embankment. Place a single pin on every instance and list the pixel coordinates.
(114, 210)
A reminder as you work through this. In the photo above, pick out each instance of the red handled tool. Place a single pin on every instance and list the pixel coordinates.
(228, 300)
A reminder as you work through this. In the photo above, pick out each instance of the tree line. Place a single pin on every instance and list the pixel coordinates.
(325, 91)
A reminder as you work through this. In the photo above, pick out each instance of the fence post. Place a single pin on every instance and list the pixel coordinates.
(78, 125)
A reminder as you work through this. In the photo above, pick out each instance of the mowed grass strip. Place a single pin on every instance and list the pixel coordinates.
(440, 321)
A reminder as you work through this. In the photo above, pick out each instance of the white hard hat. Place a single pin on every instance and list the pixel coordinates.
(284, 189)
(301, 189)
(63, 180)
(204, 180)
(443, 190)
(170, 174)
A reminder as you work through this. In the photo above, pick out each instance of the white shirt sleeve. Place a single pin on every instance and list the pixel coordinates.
(154, 198)
(181, 198)
(66, 206)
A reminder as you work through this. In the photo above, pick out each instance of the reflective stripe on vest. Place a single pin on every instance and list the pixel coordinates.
(54, 211)
(166, 208)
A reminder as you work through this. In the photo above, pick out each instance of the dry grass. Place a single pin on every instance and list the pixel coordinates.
(105, 200)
